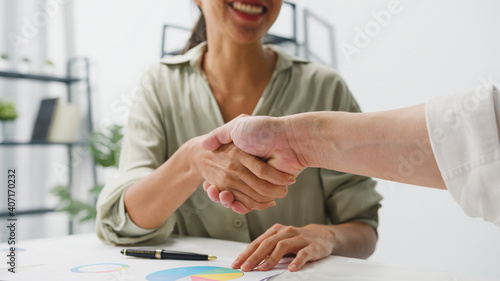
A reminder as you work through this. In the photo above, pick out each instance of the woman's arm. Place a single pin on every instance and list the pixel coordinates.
(354, 239)
(150, 201)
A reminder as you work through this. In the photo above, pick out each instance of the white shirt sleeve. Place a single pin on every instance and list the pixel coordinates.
(464, 130)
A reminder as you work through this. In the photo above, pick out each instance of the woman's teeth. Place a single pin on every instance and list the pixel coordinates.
(248, 9)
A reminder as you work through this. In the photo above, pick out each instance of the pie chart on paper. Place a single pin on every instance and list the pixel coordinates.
(195, 273)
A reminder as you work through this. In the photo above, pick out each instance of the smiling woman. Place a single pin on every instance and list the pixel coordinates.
(246, 9)
(243, 21)
(159, 191)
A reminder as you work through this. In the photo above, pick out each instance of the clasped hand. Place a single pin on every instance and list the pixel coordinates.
(250, 182)
(263, 137)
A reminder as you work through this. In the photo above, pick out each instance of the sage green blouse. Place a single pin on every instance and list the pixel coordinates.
(174, 103)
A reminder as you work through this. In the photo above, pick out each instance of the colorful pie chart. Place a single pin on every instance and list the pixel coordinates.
(195, 273)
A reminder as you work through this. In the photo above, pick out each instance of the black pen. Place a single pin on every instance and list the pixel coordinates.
(164, 255)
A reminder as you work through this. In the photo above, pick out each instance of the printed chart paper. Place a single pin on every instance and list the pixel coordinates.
(84, 257)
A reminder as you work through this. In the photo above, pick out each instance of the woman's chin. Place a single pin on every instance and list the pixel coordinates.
(247, 36)
(248, 40)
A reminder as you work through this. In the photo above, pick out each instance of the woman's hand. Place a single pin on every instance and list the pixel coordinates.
(227, 199)
(311, 242)
(253, 182)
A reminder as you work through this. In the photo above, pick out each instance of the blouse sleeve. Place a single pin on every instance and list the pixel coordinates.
(464, 130)
(143, 150)
(350, 198)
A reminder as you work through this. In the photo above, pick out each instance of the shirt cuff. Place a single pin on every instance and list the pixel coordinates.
(464, 134)
(129, 228)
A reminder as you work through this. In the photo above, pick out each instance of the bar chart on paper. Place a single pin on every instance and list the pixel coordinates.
(195, 273)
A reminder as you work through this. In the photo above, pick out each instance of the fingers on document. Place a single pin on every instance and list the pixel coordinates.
(268, 249)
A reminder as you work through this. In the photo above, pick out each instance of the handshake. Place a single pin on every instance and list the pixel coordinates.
(368, 144)
(257, 180)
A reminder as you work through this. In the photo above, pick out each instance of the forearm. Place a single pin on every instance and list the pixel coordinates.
(353, 239)
(391, 145)
(150, 201)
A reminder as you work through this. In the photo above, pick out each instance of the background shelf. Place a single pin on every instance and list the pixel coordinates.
(37, 77)
(16, 143)
(68, 81)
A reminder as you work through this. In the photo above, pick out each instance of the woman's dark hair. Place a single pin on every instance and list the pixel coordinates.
(198, 35)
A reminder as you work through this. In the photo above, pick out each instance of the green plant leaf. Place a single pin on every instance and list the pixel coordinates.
(61, 191)
(74, 208)
(105, 146)
(96, 189)
(8, 111)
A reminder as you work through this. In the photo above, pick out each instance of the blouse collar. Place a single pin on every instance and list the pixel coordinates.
(195, 55)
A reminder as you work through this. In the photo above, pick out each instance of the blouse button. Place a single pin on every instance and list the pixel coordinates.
(238, 223)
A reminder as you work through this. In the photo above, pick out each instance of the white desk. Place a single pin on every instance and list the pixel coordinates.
(71, 257)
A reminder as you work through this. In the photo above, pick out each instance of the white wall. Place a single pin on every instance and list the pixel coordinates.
(429, 48)
(123, 38)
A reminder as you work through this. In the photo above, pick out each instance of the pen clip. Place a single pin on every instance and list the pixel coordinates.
(178, 252)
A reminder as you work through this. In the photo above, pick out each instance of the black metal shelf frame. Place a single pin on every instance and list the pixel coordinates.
(45, 78)
(69, 80)
(29, 212)
(13, 143)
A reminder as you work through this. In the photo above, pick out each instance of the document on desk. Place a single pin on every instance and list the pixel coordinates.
(89, 259)
(138, 269)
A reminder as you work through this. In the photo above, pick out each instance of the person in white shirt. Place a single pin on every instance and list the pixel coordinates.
(451, 142)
